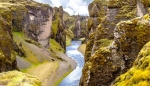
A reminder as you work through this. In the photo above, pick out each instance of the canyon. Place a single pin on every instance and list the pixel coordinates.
(37, 39)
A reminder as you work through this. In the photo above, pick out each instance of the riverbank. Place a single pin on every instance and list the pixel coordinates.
(82, 48)
(48, 65)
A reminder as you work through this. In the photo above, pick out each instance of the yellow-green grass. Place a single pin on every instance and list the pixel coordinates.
(55, 46)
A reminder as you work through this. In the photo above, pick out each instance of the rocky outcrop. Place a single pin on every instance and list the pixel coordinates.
(80, 26)
(112, 48)
(139, 73)
(58, 27)
(32, 18)
(38, 23)
(7, 54)
(28, 23)
(15, 78)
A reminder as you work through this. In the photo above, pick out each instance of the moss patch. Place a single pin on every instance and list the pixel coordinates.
(55, 46)
(30, 56)
(138, 75)
(15, 78)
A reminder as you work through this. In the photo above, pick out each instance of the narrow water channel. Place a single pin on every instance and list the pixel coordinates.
(74, 77)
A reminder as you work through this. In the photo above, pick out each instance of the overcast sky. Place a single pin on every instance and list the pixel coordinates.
(73, 7)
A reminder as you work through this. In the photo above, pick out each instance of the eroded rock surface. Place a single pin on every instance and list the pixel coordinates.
(58, 27)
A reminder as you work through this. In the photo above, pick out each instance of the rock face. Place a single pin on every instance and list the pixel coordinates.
(32, 18)
(29, 23)
(112, 48)
(80, 26)
(58, 27)
(139, 73)
(7, 55)
(15, 78)
(38, 23)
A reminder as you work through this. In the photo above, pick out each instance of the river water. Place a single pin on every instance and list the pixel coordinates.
(73, 78)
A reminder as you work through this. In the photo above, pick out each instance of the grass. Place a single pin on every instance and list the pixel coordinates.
(30, 56)
(55, 46)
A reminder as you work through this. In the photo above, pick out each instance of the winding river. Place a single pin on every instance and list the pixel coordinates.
(74, 77)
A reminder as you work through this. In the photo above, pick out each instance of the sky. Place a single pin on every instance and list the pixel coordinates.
(73, 7)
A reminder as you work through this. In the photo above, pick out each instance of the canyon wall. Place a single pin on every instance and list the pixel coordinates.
(115, 37)
(58, 27)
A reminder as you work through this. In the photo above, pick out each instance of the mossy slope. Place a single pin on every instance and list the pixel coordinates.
(138, 74)
(16, 78)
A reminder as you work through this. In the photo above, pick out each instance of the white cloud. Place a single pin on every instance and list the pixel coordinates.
(73, 7)
(56, 3)
(77, 7)
(69, 10)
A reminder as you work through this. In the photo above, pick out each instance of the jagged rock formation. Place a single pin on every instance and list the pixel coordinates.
(38, 23)
(80, 26)
(15, 78)
(32, 18)
(112, 48)
(29, 23)
(7, 55)
(58, 27)
(75, 27)
(139, 73)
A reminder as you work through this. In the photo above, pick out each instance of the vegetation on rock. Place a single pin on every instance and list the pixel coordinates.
(112, 48)
(138, 74)
(15, 78)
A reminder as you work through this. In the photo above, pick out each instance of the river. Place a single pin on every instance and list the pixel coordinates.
(73, 78)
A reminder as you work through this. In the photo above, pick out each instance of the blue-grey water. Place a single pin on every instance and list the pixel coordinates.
(74, 77)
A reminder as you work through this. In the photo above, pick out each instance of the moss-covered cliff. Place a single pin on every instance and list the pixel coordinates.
(58, 27)
(25, 32)
(138, 74)
(112, 48)
(7, 55)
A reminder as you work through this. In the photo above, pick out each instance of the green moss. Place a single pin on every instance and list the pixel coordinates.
(97, 8)
(127, 9)
(15, 78)
(138, 75)
(29, 55)
(89, 24)
(89, 46)
(6, 42)
(145, 2)
(105, 42)
(6, 13)
(69, 33)
(135, 29)
(56, 47)
(55, 27)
